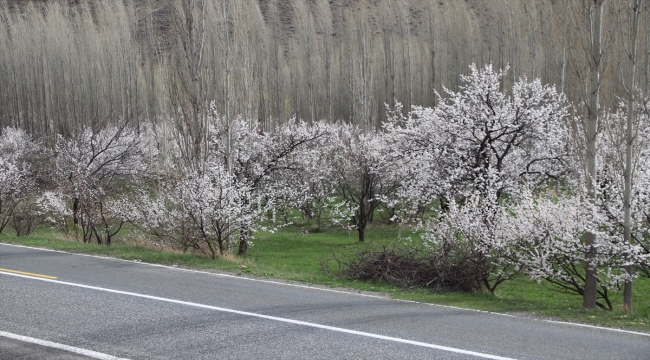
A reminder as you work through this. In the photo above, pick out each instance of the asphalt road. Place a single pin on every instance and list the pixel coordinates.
(140, 311)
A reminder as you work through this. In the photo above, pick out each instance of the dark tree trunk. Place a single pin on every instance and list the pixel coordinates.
(362, 233)
(243, 246)
(75, 211)
(243, 242)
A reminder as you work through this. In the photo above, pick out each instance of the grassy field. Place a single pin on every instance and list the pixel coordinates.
(310, 258)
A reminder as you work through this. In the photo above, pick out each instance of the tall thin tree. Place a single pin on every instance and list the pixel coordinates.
(594, 12)
(629, 144)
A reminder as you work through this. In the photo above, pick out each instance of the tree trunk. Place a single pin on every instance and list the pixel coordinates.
(595, 21)
(243, 244)
(432, 44)
(75, 211)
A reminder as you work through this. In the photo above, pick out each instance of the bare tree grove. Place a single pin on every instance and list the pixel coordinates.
(67, 64)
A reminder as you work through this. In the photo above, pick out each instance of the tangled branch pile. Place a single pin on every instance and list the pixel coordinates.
(415, 267)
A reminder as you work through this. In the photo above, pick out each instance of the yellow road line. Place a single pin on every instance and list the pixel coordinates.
(28, 273)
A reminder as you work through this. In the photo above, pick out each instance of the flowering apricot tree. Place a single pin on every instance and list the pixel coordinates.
(482, 136)
(547, 231)
(18, 179)
(611, 177)
(200, 209)
(91, 166)
(364, 173)
(477, 147)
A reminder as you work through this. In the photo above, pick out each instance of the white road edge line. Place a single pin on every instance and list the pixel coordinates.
(72, 349)
(268, 317)
(325, 289)
(598, 327)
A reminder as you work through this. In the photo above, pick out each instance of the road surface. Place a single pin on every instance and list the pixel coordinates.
(113, 308)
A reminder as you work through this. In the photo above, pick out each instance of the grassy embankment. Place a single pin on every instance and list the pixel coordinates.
(289, 254)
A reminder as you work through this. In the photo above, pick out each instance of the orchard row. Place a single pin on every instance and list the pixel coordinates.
(493, 176)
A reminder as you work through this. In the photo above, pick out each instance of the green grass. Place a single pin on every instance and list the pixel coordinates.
(289, 254)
